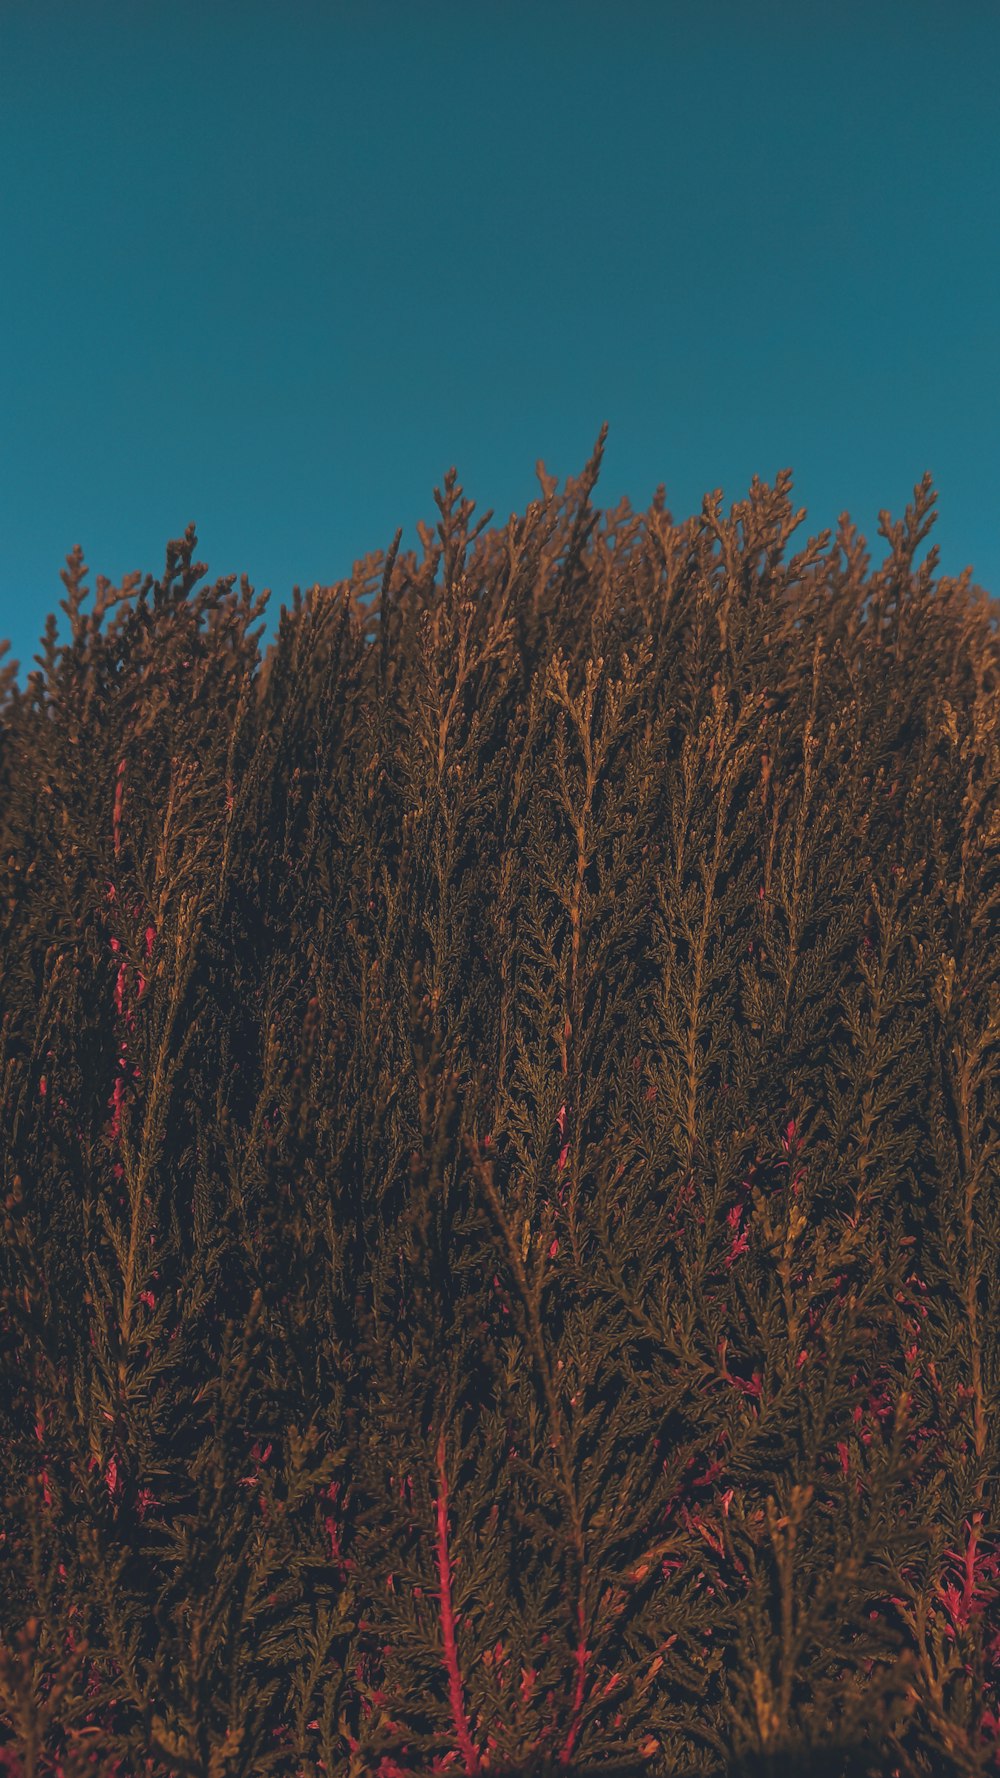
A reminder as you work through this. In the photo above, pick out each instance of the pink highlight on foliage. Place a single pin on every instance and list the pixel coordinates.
(580, 1658)
(755, 1384)
(459, 1719)
(741, 1242)
(741, 1245)
(969, 1601)
(112, 1479)
(693, 1520)
(333, 1533)
(119, 798)
(115, 1102)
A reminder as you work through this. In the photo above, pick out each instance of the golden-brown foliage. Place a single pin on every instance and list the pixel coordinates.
(499, 1160)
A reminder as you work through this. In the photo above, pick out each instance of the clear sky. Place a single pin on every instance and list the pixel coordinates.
(274, 267)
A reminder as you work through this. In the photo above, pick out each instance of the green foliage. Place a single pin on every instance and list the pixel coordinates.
(499, 1139)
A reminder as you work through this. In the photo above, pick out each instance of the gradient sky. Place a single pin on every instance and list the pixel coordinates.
(274, 267)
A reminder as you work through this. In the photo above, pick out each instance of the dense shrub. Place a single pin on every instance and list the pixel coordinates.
(499, 1160)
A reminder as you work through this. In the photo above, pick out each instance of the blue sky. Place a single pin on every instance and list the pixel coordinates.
(274, 267)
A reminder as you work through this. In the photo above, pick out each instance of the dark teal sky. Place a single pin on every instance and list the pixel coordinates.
(275, 267)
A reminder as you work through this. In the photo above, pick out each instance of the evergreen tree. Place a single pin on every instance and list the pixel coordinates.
(499, 1160)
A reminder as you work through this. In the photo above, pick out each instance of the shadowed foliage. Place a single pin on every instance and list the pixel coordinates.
(499, 1154)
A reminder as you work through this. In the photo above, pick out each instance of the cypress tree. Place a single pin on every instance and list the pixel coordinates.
(499, 1159)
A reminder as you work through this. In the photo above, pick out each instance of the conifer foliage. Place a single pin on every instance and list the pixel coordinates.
(499, 1160)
